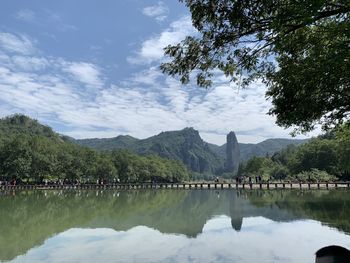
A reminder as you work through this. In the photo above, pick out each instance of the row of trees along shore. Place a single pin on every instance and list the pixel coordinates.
(326, 158)
(33, 153)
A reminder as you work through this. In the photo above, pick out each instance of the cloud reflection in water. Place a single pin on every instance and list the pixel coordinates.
(260, 240)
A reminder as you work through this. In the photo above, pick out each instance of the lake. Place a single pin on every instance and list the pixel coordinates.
(171, 225)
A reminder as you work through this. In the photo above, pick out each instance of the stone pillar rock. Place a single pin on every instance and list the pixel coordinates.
(232, 153)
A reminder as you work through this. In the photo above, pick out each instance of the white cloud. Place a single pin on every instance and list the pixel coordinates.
(259, 240)
(16, 43)
(76, 95)
(147, 77)
(152, 49)
(58, 21)
(25, 15)
(158, 11)
(86, 73)
(46, 18)
(30, 63)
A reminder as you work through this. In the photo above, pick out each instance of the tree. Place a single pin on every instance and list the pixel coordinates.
(104, 168)
(241, 168)
(43, 158)
(343, 143)
(15, 158)
(300, 49)
(317, 154)
(283, 156)
(254, 165)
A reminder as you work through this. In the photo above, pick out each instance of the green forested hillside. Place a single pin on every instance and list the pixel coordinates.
(20, 124)
(325, 158)
(185, 145)
(30, 151)
(249, 150)
(109, 144)
(267, 147)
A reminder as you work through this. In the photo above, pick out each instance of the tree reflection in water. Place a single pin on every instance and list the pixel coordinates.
(31, 217)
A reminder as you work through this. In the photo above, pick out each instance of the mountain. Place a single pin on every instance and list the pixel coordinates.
(267, 147)
(219, 150)
(107, 144)
(20, 124)
(248, 150)
(32, 151)
(232, 153)
(185, 145)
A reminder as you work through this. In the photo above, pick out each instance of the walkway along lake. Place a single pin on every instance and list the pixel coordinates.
(129, 186)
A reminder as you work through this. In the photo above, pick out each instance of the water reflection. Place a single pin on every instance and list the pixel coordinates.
(108, 226)
(260, 240)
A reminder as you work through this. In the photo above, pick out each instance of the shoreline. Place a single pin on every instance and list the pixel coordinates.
(184, 186)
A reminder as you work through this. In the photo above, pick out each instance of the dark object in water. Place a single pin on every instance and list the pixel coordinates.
(333, 254)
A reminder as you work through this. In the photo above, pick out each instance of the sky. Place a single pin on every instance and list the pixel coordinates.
(90, 69)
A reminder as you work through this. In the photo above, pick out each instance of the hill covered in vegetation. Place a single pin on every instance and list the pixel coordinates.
(188, 147)
(30, 151)
(185, 145)
(325, 158)
(249, 150)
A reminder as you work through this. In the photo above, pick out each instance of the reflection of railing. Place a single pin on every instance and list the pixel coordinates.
(324, 185)
(333, 254)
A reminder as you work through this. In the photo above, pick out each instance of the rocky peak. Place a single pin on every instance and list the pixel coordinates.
(232, 152)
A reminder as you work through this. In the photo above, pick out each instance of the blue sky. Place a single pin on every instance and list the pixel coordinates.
(90, 69)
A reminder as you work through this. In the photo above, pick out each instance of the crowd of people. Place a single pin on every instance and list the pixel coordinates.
(248, 179)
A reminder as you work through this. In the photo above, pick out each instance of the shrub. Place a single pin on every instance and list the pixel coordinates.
(315, 175)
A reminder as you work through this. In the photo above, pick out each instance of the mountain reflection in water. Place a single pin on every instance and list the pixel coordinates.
(171, 225)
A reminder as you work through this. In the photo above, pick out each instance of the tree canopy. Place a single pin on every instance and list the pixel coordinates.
(325, 158)
(299, 49)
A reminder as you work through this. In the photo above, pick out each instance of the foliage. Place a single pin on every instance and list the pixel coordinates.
(320, 154)
(30, 151)
(202, 176)
(203, 159)
(314, 175)
(269, 146)
(34, 154)
(343, 145)
(185, 145)
(18, 124)
(300, 49)
(132, 167)
(322, 158)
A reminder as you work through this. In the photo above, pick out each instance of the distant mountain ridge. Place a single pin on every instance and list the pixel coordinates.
(267, 147)
(107, 144)
(184, 145)
(187, 146)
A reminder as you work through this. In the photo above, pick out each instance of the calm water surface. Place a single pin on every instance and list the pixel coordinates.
(171, 225)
